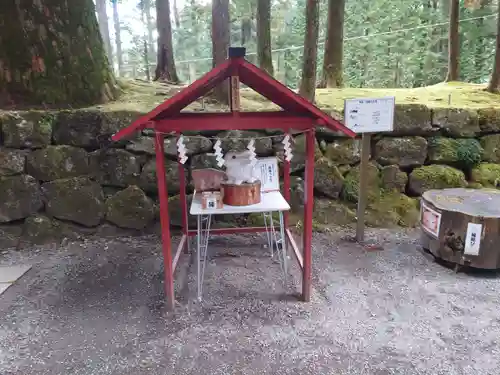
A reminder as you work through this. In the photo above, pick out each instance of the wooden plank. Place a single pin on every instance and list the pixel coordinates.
(295, 248)
(363, 186)
(178, 252)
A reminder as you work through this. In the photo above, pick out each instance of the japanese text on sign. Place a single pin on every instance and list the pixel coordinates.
(369, 115)
(268, 168)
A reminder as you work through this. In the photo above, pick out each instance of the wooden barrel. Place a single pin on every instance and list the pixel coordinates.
(462, 226)
(241, 195)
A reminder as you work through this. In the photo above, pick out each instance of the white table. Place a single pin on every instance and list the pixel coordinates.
(270, 202)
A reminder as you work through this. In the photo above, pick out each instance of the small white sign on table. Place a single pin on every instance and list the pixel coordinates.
(365, 116)
(369, 115)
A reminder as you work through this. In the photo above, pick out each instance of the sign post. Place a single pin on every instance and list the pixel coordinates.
(367, 116)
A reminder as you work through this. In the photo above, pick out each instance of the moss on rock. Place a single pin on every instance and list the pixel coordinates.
(393, 178)
(76, 199)
(435, 176)
(491, 146)
(148, 180)
(327, 178)
(332, 212)
(456, 122)
(12, 162)
(464, 153)
(20, 197)
(342, 151)
(412, 119)
(130, 208)
(350, 190)
(54, 162)
(487, 174)
(115, 167)
(489, 119)
(40, 229)
(405, 152)
(392, 209)
(27, 129)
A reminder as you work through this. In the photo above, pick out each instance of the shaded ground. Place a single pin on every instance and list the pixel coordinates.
(97, 308)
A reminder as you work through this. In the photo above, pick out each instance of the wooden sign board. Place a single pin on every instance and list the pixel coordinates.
(369, 115)
(269, 174)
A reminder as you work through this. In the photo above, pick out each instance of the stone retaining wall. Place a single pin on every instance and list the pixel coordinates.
(57, 180)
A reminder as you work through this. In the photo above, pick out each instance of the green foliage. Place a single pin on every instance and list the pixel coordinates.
(469, 153)
(388, 43)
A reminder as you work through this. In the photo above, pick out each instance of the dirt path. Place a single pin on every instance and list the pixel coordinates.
(97, 308)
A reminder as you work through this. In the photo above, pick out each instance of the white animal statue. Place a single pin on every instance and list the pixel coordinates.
(239, 168)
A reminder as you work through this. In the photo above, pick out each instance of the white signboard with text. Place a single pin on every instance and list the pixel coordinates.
(369, 115)
(269, 174)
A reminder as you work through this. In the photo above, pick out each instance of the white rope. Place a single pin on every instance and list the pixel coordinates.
(357, 37)
(230, 138)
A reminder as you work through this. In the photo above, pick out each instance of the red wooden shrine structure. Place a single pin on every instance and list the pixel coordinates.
(298, 114)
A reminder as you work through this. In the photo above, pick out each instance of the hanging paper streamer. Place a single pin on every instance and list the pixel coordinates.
(251, 148)
(218, 153)
(181, 150)
(287, 148)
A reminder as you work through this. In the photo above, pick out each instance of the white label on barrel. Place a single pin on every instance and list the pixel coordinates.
(473, 239)
(430, 219)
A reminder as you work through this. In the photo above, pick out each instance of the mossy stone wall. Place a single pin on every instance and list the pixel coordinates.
(59, 177)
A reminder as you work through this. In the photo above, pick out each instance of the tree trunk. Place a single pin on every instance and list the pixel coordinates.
(264, 36)
(51, 54)
(150, 25)
(453, 42)
(246, 30)
(102, 16)
(118, 39)
(308, 80)
(332, 75)
(165, 66)
(494, 85)
(220, 42)
(176, 15)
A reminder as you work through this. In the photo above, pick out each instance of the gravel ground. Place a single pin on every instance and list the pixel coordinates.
(97, 308)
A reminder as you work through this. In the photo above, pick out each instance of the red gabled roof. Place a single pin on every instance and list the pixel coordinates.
(249, 75)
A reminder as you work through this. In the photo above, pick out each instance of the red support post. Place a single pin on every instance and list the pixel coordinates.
(164, 220)
(308, 213)
(183, 201)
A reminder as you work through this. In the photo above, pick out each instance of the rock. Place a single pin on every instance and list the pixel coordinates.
(115, 167)
(194, 145)
(148, 181)
(344, 151)
(393, 209)
(142, 144)
(328, 212)
(491, 148)
(10, 235)
(489, 120)
(40, 229)
(405, 152)
(11, 162)
(350, 191)
(175, 211)
(130, 208)
(54, 162)
(89, 128)
(456, 122)
(412, 119)
(27, 129)
(77, 199)
(393, 178)
(20, 197)
(230, 141)
(435, 177)
(464, 153)
(487, 174)
(327, 178)
(204, 161)
(298, 161)
(297, 197)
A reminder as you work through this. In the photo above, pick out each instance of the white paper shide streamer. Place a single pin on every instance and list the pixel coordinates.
(251, 148)
(287, 147)
(218, 153)
(181, 150)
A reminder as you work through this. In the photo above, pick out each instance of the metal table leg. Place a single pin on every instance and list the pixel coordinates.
(280, 242)
(203, 233)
